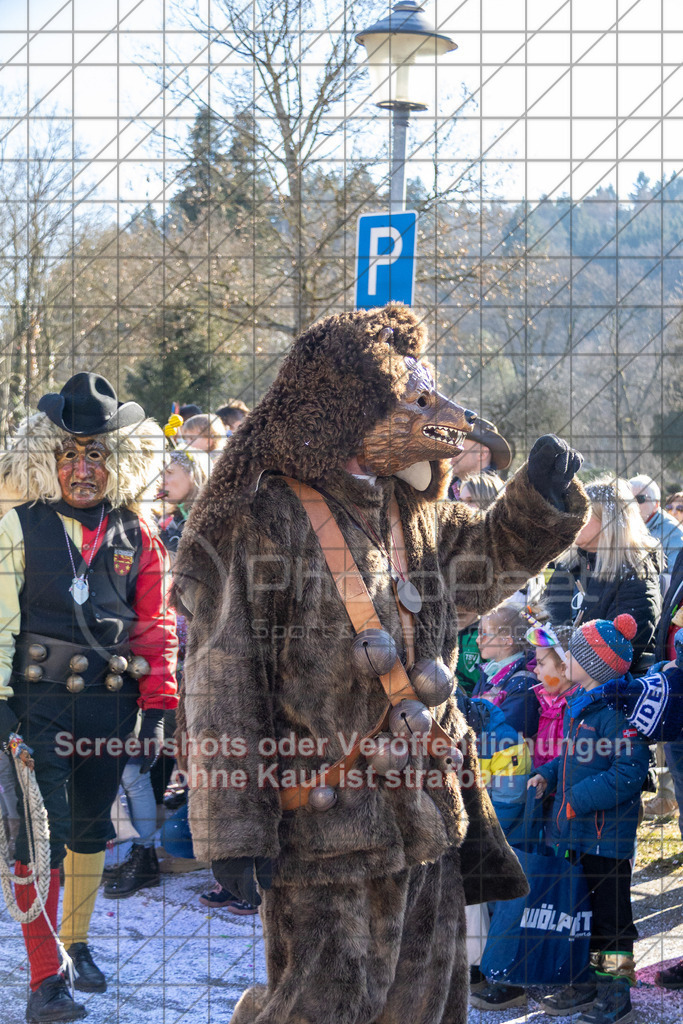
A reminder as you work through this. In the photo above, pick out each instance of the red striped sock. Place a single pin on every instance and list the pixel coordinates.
(43, 958)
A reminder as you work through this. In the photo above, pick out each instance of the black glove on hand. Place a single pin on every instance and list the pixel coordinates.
(152, 729)
(8, 722)
(237, 876)
(552, 465)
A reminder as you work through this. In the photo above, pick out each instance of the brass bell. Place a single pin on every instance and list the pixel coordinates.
(373, 652)
(113, 682)
(138, 666)
(37, 652)
(409, 718)
(452, 760)
(322, 798)
(391, 755)
(34, 673)
(432, 681)
(75, 684)
(118, 663)
(79, 663)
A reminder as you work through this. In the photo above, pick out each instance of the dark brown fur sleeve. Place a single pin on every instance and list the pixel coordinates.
(487, 556)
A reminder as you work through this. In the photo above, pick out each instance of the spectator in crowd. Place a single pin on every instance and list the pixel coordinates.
(469, 659)
(481, 489)
(554, 688)
(204, 432)
(232, 414)
(483, 451)
(665, 529)
(86, 638)
(674, 506)
(670, 622)
(595, 816)
(182, 480)
(505, 679)
(187, 411)
(613, 567)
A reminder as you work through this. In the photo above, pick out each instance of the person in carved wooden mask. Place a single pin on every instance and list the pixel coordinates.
(86, 639)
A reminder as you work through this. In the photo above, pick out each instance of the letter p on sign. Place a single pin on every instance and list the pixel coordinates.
(382, 255)
(385, 259)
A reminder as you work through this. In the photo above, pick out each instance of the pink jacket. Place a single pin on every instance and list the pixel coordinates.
(547, 744)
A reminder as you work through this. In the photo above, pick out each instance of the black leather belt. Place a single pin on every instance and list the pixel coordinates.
(44, 659)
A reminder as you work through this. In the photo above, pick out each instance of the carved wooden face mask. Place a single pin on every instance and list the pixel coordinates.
(423, 426)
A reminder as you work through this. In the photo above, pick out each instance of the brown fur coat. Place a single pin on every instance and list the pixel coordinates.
(268, 656)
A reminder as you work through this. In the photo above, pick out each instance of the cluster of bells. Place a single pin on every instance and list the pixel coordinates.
(136, 667)
(373, 653)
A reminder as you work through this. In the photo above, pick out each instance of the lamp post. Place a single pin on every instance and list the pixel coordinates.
(402, 50)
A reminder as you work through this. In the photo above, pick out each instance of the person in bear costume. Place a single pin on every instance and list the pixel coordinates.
(364, 892)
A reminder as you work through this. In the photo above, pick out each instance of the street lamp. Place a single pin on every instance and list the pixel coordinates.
(402, 50)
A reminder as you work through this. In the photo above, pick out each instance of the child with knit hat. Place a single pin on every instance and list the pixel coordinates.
(597, 781)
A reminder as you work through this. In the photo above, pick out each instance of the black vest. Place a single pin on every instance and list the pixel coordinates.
(46, 605)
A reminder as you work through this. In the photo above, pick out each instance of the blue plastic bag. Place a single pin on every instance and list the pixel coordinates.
(542, 938)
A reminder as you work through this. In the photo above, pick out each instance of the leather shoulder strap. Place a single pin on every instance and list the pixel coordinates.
(349, 582)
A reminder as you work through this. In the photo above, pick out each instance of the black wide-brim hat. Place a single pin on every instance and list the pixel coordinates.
(87, 405)
(486, 433)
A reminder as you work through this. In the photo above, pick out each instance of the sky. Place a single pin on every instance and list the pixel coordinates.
(552, 97)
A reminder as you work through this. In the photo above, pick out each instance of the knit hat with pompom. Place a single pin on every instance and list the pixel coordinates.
(603, 649)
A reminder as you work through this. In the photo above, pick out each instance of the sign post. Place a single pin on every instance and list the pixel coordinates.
(385, 259)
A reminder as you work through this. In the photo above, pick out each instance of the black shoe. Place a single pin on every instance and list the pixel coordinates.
(570, 999)
(497, 996)
(140, 870)
(88, 976)
(477, 980)
(51, 1001)
(175, 800)
(671, 978)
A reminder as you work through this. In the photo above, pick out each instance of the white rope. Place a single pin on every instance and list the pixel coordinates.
(38, 835)
(38, 832)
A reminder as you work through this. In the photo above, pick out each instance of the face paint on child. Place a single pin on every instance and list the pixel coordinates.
(549, 672)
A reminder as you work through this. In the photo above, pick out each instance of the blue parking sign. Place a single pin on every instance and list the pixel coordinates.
(385, 258)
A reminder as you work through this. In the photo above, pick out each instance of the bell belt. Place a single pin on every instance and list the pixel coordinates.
(56, 667)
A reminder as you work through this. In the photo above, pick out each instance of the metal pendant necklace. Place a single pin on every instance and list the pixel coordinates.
(80, 588)
(406, 592)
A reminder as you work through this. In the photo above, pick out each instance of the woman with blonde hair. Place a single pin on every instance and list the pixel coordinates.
(613, 567)
(481, 490)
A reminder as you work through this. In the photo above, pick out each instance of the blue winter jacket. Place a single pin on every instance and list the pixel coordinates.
(600, 774)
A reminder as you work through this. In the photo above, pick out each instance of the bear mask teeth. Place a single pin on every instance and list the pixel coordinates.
(449, 435)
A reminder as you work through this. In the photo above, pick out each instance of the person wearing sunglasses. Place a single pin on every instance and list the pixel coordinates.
(674, 506)
(665, 529)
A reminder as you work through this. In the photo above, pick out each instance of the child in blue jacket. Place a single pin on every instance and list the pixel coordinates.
(598, 779)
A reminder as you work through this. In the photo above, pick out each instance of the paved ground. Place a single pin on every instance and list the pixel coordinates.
(178, 962)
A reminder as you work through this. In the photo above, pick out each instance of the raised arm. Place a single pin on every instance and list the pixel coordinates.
(487, 556)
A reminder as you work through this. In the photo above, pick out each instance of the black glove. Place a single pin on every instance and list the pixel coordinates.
(237, 876)
(152, 728)
(8, 722)
(552, 465)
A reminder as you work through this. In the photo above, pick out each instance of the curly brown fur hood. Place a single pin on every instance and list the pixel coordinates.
(337, 381)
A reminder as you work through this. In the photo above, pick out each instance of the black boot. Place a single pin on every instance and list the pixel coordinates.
(88, 976)
(576, 997)
(51, 1002)
(139, 870)
(570, 999)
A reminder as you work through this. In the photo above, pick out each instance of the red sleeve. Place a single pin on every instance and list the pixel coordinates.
(153, 634)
